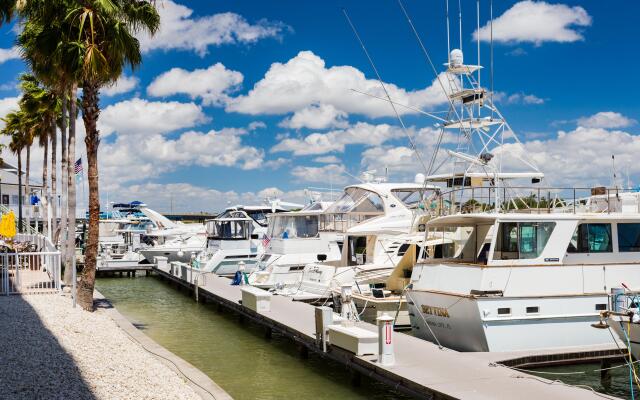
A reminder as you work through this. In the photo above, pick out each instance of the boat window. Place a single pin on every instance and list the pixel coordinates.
(293, 226)
(229, 229)
(591, 238)
(259, 216)
(411, 198)
(357, 200)
(403, 249)
(522, 240)
(629, 237)
(357, 250)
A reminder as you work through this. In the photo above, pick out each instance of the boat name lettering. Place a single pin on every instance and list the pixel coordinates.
(437, 311)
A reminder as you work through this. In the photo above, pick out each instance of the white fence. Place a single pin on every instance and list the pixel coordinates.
(37, 270)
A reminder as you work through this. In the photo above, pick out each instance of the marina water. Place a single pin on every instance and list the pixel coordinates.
(236, 355)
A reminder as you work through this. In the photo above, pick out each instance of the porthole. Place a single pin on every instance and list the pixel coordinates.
(504, 311)
(533, 310)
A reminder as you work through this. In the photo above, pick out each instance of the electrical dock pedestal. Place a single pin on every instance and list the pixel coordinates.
(410, 365)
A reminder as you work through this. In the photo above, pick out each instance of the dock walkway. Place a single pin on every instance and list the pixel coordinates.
(421, 368)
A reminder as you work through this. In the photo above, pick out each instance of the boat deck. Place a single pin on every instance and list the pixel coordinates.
(421, 368)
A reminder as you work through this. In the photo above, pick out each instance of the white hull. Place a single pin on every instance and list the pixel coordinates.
(459, 322)
(171, 253)
(622, 329)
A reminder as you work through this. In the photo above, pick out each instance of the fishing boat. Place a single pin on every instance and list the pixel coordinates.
(293, 240)
(380, 221)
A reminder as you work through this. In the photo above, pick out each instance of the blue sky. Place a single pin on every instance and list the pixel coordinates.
(239, 100)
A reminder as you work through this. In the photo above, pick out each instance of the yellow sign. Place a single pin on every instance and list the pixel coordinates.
(8, 225)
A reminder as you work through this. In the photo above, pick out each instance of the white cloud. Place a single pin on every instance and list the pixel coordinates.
(143, 117)
(330, 173)
(316, 116)
(7, 105)
(336, 140)
(182, 31)
(305, 81)
(212, 85)
(124, 84)
(255, 125)
(9, 54)
(606, 119)
(396, 159)
(537, 22)
(582, 157)
(184, 196)
(517, 98)
(327, 160)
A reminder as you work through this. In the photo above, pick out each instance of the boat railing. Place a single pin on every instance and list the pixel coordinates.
(534, 200)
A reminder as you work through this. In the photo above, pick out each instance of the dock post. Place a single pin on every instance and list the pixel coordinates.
(324, 318)
(605, 373)
(385, 340)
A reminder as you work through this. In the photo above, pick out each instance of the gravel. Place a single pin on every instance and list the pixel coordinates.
(49, 350)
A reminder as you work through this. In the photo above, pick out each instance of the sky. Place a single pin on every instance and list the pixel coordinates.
(239, 101)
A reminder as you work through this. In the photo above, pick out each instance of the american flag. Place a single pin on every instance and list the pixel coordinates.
(266, 240)
(78, 166)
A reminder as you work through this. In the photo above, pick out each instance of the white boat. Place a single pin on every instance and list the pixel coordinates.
(380, 222)
(234, 238)
(623, 317)
(293, 239)
(524, 281)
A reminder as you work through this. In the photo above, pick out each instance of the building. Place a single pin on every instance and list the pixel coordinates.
(9, 192)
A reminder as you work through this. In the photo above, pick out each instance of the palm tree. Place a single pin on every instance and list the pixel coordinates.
(15, 127)
(7, 7)
(106, 45)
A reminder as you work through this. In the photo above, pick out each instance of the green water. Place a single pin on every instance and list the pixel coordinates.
(589, 375)
(235, 355)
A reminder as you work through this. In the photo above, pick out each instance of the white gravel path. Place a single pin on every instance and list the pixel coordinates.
(49, 350)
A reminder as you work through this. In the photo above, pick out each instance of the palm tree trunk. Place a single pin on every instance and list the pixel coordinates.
(54, 182)
(27, 188)
(90, 112)
(71, 192)
(68, 274)
(20, 191)
(44, 201)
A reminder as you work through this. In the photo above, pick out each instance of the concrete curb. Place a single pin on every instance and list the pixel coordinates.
(204, 386)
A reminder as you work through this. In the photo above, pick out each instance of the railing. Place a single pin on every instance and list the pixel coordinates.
(537, 200)
(341, 222)
(37, 270)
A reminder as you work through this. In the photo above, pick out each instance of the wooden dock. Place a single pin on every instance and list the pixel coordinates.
(421, 369)
(125, 269)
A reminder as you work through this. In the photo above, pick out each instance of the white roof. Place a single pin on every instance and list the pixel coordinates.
(490, 218)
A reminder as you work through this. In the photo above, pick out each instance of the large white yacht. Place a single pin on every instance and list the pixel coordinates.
(293, 240)
(236, 236)
(525, 281)
(380, 221)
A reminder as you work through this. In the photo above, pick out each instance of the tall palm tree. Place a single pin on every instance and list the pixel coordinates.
(7, 8)
(106, 46)
(15, 127)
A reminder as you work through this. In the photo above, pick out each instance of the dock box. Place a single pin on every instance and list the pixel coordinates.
(356, 340)
(256, 299)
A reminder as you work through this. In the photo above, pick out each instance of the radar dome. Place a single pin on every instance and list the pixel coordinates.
(457, 59)
(419, 178)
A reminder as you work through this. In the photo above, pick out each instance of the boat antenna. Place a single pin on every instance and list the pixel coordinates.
(491, 51)
(613, 170)
(448, 35)
(395, 110)
(433, 68)
(460, 21)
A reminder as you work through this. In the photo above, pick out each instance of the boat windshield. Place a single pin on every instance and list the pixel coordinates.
(293, 226)
(412, 198)
(229, 229)
(355, 206)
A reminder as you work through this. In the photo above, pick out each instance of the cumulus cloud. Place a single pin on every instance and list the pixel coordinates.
(517, 98)
(212, 84)
(327, 160)
(181, 30)
(7, 105)
(304, 81)
(255, 125)
(182, 196)
(330, 173)
(606, 119)
(581, 157)
(316, 116)
(124, 84)
(143, 117)
(537, 22)
(9, 54)
(336, 140)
